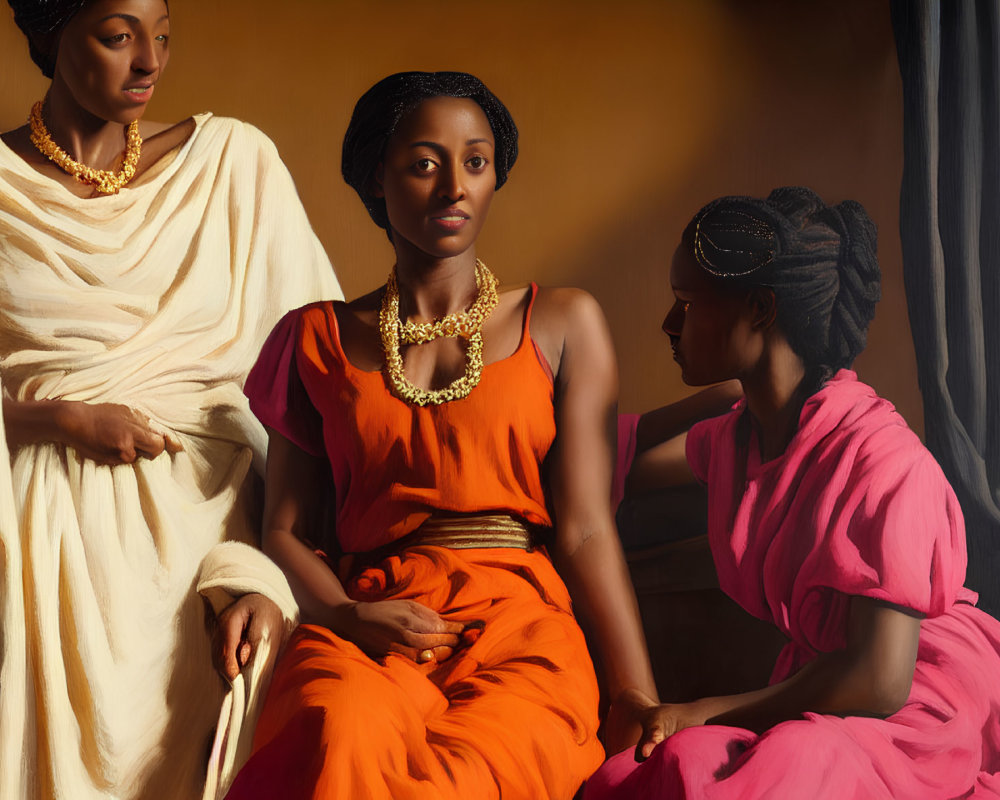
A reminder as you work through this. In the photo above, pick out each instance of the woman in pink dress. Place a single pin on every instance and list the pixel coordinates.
(827, 517)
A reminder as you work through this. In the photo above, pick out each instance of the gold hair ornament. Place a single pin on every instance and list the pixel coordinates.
(464, 324)
(105, 181)
(753, 228)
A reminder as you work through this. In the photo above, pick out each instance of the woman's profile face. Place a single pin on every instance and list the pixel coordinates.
(711, 330)
(437, 176)
(110, 56)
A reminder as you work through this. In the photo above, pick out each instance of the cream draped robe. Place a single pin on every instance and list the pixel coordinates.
(157, 298)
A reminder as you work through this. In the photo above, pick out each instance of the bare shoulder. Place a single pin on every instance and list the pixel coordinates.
(567, 311)
(565, 300)
(19, 141)
(513, 301)
(149, 129)
(160, 138)
(357, 321)
(568, 320)
(364, 306)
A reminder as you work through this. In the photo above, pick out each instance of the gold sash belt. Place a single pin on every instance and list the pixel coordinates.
(455, 532)
(463, 533)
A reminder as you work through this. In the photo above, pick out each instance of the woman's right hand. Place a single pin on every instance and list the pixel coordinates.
(397, 626)
(662, 721)
(106, 433)
(113, 434)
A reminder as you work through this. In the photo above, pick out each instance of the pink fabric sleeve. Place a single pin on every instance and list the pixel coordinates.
(895, 533)
(698, 446)
(627, 424)
(277, 395)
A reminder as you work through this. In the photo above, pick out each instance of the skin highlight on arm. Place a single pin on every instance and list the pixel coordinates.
(588, 552)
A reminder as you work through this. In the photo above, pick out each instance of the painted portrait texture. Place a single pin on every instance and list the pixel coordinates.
(158, 298)
(855, 506)
(142, 300)
(829, 519)
(465, 431)
(132, 307)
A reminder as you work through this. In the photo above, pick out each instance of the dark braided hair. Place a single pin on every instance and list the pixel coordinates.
(380, 110)
(819, 260)
(39, 21)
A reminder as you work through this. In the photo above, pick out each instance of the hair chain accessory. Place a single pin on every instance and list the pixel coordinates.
(464, 324)
(105, 181)
(757, 235)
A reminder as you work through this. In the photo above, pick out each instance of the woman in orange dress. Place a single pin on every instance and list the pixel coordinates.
(468, 435)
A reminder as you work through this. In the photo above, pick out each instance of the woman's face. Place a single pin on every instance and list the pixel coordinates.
(711, 330)
(111, 54)
(437, 176)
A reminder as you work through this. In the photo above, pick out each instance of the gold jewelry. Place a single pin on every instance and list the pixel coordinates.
(465, 324)
(105, 181)
(756, 230)
(458, 323)
(425, 655)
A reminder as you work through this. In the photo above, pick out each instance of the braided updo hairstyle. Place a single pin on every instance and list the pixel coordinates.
(819, 260)
(380, 110)
(39, 21)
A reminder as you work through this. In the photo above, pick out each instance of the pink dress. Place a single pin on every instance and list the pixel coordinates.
(855, 506)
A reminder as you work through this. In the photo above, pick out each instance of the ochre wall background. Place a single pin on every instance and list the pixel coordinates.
(632, 115)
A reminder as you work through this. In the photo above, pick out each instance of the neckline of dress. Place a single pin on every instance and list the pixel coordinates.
(147, 178)
(522, 343)
(755, 467)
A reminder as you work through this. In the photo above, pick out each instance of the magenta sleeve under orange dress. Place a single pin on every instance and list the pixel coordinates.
(854, 507)
(514, 713)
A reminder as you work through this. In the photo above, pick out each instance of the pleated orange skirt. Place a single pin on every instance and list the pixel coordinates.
(511, 715)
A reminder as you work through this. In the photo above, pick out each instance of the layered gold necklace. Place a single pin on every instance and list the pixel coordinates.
(105, 181)
(465, 324)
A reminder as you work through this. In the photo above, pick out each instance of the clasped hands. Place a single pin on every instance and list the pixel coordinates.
(413, 630)
(404, 627)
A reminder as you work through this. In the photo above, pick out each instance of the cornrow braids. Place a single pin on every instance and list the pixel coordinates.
(380, 110)
(819, 260)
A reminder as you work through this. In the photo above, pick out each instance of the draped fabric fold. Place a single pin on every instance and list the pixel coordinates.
(949, 56)
(157, 298)
(854, 507)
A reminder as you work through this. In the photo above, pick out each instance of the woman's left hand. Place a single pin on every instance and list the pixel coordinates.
(662, 721)
(239, 629)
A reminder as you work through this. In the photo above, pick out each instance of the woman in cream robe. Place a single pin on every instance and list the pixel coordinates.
(156, 298)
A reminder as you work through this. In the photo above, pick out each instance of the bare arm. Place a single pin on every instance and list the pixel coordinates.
(661, 436)
(292, 498)
(103, 432)
(295, 483)
(870, 676)
(660, 467)
(666, 422)
(587, 549)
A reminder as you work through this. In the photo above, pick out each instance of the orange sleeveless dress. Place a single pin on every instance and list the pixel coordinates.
(514, 713)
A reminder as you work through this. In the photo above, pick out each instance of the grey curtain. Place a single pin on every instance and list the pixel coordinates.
(949, 56)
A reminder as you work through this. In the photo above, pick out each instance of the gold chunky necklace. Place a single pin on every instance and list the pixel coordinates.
(105, 181)
(466, 324)
(458, 323)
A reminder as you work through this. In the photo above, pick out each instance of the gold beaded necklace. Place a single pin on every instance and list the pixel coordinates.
(105, 181)
(466, 324)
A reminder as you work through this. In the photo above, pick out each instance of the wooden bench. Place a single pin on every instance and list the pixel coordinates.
(701, 642)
